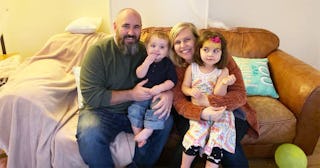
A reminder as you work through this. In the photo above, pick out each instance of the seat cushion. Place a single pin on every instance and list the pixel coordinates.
(276, 123)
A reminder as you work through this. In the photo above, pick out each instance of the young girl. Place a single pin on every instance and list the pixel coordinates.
(161, 75)
(208, 75)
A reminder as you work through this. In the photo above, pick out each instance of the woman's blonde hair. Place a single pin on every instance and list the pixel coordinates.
(175, 30)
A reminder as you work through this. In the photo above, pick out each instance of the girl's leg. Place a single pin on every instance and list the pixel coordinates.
(187, 160)
(211, 165)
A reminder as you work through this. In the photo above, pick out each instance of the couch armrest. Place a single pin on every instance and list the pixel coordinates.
(298, 85)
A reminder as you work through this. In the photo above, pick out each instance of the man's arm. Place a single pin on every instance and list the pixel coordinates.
(138, 93)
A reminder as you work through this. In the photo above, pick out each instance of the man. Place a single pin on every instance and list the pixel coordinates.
(109, 85)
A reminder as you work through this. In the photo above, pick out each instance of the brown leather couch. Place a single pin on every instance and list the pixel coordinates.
(292, 118)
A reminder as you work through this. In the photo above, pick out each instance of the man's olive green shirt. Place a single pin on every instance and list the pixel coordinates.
(104, 69)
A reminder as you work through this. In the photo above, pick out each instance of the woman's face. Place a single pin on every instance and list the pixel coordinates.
(184, 45)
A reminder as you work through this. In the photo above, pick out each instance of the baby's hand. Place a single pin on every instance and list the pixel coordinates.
(229, 80)
(155, 90)
(151, 58)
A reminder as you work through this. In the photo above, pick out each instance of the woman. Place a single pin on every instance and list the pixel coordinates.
(184, 37)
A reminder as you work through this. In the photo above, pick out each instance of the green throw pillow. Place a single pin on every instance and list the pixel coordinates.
(256, 76)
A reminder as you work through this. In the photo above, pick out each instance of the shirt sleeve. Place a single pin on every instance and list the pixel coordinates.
(92, 81)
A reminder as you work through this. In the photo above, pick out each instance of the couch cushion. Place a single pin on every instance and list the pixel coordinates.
(242, 41)
(276, 123)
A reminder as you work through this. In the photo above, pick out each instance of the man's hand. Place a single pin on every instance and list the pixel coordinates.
(163, 107)
(140, 93)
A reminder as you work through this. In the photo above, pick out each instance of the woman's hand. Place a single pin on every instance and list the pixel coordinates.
(164, 104)
(212, 113)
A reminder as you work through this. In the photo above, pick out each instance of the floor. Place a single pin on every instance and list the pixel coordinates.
(313, 160)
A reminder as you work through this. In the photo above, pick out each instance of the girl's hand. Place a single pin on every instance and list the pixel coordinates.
(196, 93)
(229, 80)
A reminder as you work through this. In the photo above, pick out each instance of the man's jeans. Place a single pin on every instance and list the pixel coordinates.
(98, 128)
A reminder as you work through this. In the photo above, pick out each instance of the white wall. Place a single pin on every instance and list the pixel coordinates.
(162, 13)
(31, 22)
(294, 21)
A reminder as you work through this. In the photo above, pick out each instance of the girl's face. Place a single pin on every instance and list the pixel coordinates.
(184, 45)
(158, 47)
(210, 53)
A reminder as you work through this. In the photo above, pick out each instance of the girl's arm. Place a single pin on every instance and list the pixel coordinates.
(235, 97)
(224, 80)
(236, 93)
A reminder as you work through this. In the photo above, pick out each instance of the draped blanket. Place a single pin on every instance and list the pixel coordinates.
(39, 99)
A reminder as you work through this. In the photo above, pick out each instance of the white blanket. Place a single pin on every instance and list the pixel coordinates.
(39, 99)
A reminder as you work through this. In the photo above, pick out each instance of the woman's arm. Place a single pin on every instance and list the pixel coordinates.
(186, 84)
(182, 103)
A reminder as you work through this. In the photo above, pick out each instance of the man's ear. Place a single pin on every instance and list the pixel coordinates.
(114, 26)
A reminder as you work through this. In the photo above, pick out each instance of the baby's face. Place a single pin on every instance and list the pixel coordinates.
(158, 47)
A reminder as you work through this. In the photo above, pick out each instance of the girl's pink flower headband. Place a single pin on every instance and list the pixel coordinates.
(215, 39)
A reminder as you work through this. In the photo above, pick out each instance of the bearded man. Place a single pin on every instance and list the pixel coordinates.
(109, 85)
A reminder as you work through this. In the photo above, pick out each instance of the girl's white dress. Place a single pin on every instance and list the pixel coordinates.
(208, 134)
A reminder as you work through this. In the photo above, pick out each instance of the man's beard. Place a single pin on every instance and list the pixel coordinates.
(128, 49)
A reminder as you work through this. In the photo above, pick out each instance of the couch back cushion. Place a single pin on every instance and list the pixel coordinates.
(242, 41)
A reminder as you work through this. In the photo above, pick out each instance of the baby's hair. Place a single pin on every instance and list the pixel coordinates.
(159, 34)
(213, 36)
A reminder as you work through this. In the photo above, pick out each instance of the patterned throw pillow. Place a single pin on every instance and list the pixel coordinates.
(256, 76)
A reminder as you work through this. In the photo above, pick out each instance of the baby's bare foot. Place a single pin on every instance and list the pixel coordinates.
(142, 137)
(141, 143)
